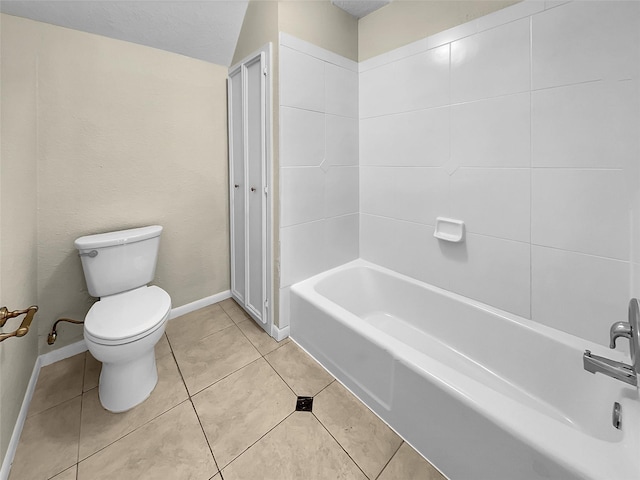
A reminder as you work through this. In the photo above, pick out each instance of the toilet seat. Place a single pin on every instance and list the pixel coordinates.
(128, 316)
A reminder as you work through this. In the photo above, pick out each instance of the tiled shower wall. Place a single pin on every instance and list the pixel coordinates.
(525, 125)
(318, 161)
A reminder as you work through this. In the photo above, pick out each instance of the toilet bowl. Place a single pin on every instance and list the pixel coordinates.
(122, 328)
(121, 331)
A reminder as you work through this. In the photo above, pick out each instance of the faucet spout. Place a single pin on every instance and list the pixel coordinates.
(619, 329)
(618, 370)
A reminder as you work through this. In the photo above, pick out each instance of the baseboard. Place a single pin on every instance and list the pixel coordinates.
(203, 302)
(22, 416)
(61, 353)
(279, 333)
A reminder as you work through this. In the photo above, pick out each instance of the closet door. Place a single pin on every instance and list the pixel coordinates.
(237, 184)
(249, 172)
(255, 226)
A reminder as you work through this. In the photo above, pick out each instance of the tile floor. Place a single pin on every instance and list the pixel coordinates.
(224, 408)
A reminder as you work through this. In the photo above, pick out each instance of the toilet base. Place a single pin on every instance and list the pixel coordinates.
(124, 385)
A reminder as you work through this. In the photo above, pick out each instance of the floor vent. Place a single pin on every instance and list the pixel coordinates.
(304, 404)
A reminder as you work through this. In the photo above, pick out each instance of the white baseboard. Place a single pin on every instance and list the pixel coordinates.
(22, 416)
(203, 302)
(279, 333)
(61, 353)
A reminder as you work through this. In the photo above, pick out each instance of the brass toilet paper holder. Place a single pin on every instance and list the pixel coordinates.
(23, 329)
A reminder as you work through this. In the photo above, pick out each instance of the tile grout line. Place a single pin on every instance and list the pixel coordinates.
(340, 445)
(206, 439)
(391, 458)
(261, 437)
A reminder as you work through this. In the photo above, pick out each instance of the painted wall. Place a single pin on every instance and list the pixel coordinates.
(126, 136)
(406, 21)
(18, 210)
(524, 124)
(322, 24)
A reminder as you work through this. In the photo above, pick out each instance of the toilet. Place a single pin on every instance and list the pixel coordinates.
(123, 327)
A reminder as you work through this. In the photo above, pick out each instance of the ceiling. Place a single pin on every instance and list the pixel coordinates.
(203, 29)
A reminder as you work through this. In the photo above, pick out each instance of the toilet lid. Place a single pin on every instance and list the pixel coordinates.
(127, 315)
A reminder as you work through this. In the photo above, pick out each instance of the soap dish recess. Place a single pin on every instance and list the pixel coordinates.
(449, 230)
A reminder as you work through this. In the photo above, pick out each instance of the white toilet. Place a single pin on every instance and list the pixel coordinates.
(123, 327)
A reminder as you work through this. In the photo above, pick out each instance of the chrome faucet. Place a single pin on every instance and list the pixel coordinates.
(618, 370)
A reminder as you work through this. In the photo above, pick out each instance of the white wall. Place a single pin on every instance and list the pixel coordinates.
(318, 162)
(524, 124)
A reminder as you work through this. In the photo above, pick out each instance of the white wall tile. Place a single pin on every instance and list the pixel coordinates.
(578, 294)
(491, 63)
(303, 252)
(635, 281)
(583, 41)
(377, 91)
(581, 210)
(302, 137)
(341, 239)
(341, 140)
(341, 191)
(493, 201)
(407, 193)
(492, 133)
(405, 247)
(377, 191)
(422, 81)
(491, 270)
(303, 191)
(508, 14)
(587, 125)
(341, 93)
(418, 138)
(302, 80)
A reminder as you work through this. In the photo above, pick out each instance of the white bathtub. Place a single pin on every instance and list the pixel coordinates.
(481, 393)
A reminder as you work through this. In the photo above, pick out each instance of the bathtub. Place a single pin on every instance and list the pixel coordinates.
(481, 393)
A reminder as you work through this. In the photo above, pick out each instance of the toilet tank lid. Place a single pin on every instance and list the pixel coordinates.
(120, 237)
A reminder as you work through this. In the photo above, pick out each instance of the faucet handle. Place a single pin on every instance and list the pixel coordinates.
(619, 329)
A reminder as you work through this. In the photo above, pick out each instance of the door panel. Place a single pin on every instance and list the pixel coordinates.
(237, 185)
(255, 195)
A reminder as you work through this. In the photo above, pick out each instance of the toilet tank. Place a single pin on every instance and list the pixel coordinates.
(115, 262)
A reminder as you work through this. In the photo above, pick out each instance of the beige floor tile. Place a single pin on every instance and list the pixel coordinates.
(238, 410)
(99, 427)
(92, 369)
(298, 448)
(366, 438)
(68, 474)
(57, 383)
(259, 338)
(172, 446)
(407, 463)
(49, 442)
(214, 357)
(301, 372)
(193, 326)
(237, 314)
(228, 304)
